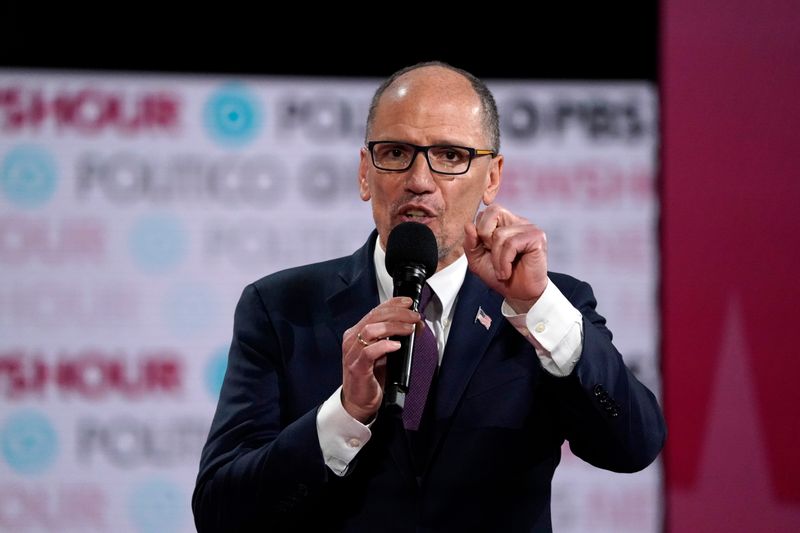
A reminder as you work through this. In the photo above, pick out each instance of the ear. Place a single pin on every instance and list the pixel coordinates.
(363, 183)
(495, 177)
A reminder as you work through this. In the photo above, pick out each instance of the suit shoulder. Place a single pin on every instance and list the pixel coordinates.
(303, 278)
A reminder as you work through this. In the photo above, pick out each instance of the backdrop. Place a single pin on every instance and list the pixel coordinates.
(134, 209)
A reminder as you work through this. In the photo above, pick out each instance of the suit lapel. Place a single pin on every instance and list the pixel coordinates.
(467, 342)
(359, 289)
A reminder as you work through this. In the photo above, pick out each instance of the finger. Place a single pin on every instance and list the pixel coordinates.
(366, 326)
(379, 330)
(486, 225)
(361, 362)
(472, 246)
(527, 241)
(400, 309)
(397, 301)
(478, 217)
(508, 243)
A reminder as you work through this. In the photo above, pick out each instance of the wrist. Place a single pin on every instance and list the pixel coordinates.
(521, 307)
(364, 416)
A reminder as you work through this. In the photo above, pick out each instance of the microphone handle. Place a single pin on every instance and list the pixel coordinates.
(408, 281)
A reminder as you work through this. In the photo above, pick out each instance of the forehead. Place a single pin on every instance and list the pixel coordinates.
(428, 106)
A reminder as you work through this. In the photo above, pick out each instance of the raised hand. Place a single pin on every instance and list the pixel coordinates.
(509, 253)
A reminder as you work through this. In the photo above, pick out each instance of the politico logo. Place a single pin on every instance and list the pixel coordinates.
(268, 244)
(130, 178)
(232, 115)
(28, 176)
(88, 111)
(261, 181)
(322, 117)
(29, 442)
(325, 181)
(126, 441)
(90, 374)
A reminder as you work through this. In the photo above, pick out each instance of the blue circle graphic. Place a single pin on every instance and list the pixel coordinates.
(233, 115)
(28, 176)
(215, 371)
(29, 442)
(190, 309)
(157, 506)
(157, 242)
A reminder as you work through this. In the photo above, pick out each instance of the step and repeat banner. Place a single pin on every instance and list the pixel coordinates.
(135, 208)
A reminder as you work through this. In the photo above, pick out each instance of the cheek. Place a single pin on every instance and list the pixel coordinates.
(462, 205)
(379, 197)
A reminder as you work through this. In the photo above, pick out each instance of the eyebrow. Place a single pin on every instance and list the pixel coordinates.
(435, 143)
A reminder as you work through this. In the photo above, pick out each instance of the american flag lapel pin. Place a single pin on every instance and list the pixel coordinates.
(483, 318)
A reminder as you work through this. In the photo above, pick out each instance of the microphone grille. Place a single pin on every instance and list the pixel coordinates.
(412, 242)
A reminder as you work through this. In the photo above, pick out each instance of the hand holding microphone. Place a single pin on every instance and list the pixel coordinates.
(411, 257)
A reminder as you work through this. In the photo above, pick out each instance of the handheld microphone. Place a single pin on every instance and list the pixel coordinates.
(411, 258)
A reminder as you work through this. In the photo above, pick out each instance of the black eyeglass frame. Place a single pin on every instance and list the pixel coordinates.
(473, 153)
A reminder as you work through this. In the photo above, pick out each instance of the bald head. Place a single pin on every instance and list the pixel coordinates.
(439, 80)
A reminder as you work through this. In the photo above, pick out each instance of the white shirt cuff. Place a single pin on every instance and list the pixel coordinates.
(554, 327)
(341, 436)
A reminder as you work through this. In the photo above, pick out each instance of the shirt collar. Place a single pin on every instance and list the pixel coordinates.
(445, 283)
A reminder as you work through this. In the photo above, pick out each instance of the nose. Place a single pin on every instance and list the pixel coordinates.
(420, 177)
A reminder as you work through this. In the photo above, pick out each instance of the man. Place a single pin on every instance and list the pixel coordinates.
(300, 440)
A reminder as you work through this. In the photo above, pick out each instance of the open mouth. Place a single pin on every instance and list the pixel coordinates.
(413, 214)
(415, 211)
(416, 214)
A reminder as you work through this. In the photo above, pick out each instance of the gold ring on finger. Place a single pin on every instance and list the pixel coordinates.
(361, 339)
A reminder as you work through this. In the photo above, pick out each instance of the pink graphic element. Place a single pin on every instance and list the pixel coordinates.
(483, 318)
(733, 491)
(88, 111)
(92, 374)
(51, 241)
(41, 506)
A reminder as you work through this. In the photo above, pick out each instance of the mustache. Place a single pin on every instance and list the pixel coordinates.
(401, 204)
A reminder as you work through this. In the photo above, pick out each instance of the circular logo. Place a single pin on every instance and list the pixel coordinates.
(215, 371)
(157, 242)
(232, 115)
(157, 506)
(28, 176)
(190, 308)
(29, 442)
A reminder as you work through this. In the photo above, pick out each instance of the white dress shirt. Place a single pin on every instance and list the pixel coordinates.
(552, 325)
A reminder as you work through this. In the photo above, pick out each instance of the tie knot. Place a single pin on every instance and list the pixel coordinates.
(425, 298)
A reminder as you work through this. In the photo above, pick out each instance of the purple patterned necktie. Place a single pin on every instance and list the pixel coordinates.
(423, 366)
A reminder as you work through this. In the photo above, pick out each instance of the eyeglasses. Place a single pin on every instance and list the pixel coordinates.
(442, 158)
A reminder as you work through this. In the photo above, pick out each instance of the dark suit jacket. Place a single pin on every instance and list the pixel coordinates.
(496, 427)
